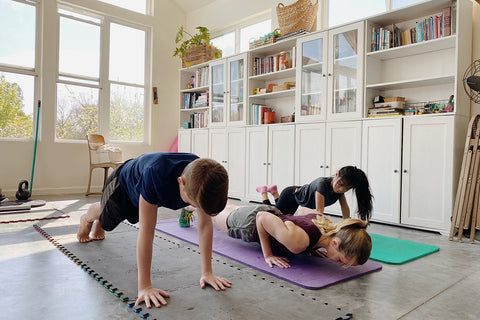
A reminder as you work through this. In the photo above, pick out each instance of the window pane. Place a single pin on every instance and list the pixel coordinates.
(77, 111)
(17, 28)
(134, 5)
(79, 48)
(403, 3)
(226, 43)
(16, 105)
(127, 54)
(337, 14)
(252, 32)
(127, 113)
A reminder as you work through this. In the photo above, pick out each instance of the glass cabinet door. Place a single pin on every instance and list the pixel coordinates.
(312, 92)
(217, 94)
(346, 65)
(237, 80)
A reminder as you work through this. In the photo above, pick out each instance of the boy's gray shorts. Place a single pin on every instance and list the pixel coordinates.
(241, 222)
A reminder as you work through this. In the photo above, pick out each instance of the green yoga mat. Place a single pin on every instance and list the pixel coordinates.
(397, 251)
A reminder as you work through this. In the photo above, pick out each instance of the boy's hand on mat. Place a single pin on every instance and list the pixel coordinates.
(151, 295)
(278, 261)
(217, 283)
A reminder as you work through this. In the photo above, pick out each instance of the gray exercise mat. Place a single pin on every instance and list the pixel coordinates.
(176, 269)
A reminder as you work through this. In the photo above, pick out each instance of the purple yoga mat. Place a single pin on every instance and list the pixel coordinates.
(306, 272)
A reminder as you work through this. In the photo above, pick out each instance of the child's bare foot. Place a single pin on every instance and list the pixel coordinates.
(83, 234)
(98, 233)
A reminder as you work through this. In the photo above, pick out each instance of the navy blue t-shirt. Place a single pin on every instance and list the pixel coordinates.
(305, 195)
(154, 176)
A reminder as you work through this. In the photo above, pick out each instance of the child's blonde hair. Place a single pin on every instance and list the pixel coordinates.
(354, 238)
(206, 182)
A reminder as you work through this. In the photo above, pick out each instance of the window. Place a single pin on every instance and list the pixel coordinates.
(98, 93)
(252, 32)
(78, 85)
(337, 14)
(403, 3)
(226, 43)
(127, 83)
(17, 68)
(139, 6)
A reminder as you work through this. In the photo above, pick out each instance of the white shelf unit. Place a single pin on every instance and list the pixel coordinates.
(425, 71)
(189, 77)
(281, 102)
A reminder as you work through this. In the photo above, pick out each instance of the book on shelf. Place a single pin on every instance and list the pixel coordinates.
(272, 63)
(433, 27)
(199, 119)
(447, 20)
(257, 113)
(195, 100)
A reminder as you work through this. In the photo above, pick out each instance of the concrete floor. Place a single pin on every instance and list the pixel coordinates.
(39, 281)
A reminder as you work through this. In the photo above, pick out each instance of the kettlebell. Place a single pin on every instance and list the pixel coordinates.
(23, 193)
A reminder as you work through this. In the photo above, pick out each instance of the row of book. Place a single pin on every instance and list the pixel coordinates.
(272, 63)
(195, 100)
(199, 119)
(434, 27)
(258, 114)
(200, 78)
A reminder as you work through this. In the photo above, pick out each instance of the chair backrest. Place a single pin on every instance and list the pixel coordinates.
(95, 141)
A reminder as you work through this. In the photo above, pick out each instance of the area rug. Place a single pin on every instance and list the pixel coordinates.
(397, 251)
(306, 272)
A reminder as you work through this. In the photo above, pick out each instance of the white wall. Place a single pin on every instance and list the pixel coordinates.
(62, 167)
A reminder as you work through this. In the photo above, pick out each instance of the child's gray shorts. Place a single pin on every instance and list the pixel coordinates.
(241, 222)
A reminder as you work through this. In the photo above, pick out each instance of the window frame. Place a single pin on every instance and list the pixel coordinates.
(34, 72)
(104, 82)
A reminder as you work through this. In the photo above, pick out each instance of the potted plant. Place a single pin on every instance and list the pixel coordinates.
(195, 49)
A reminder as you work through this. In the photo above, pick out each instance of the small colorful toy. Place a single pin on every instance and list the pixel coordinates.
(186, 217)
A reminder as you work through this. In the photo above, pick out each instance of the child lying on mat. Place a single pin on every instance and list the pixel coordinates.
(345, 242)
(136, 189)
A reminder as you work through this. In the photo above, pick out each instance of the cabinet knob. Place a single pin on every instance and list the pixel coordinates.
(264, 163)
(329, 74)
(404, 170)
(321, 166)
(324, 75)
(395, 170)
(269, 164)
(326, 167)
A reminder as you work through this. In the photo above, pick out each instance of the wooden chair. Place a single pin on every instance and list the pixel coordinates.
(95, 141)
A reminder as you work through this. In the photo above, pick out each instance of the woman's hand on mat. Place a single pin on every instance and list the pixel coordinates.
(215, 282)
(151, 295)
(278, 261)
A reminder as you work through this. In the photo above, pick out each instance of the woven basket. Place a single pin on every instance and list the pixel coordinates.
(199, 54)
(300, 15)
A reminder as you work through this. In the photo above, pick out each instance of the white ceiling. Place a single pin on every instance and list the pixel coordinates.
(191, 5)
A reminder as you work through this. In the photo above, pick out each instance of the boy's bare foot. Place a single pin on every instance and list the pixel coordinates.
(83, 234)
(98, 233)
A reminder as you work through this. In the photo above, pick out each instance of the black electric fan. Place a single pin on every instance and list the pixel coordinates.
(471, 81)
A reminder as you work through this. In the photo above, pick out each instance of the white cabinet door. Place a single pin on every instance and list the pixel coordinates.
(236, 161)
(257, 157)
(218, 146)
(309, 152)
(184, 141)
(281, 155)
(237, 89)
(200, 142)
(345, 71)
(343, 148)
(427, 174)
(381, 162)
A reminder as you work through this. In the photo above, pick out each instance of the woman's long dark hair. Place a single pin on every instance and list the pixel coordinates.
(357, 180)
